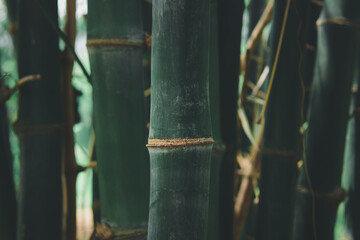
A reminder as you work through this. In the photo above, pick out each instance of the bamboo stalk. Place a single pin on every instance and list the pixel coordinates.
(39, 124)
(319, 185)
(309, 56)
(8, 208)
(230, 22)
(281, 142)
(180, 140)
(115, 44)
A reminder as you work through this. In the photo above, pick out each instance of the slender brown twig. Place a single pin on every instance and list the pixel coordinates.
(5, 92)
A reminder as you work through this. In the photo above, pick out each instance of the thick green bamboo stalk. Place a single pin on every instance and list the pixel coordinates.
(39, 124)
(281, 142)
(180, 140)
(115, 44)
(218, 147)
(7, 190)
(230, 23)
(319, 189)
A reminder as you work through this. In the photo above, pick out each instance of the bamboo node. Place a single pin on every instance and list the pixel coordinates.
(115, 42)
(51, 128)
(179, 143)
(104, 232)
(318, 3)
(280, 153)
(337, 21)
(310, 47)
(333, 198)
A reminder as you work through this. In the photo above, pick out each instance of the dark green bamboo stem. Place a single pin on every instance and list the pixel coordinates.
(39, 124)
(180, 140)
(337, 52)
(7, 190)
(116, 44)
(218, 147)
(310, 54)
(230, 22)
(282, 137)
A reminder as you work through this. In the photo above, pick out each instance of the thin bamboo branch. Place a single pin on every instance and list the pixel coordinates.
(70, 167)
(276, 59)
(6, 93)
(252, 43)
(248, 183)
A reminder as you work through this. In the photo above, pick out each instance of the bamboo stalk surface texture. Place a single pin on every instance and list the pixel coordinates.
(115, 44)
(180, 142)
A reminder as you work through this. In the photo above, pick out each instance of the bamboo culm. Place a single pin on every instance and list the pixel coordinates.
(116, 45)
(39, 124)
(180, 142)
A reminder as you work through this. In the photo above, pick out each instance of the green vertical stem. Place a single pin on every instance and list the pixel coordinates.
(7, 189)
(116, 44)
(310, 54)
(180, 142)
(39, 124)
(319, 184)
(230, 23)
(281, 140)
(218, 147)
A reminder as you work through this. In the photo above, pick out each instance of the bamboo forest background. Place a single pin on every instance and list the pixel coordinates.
(262, 32)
